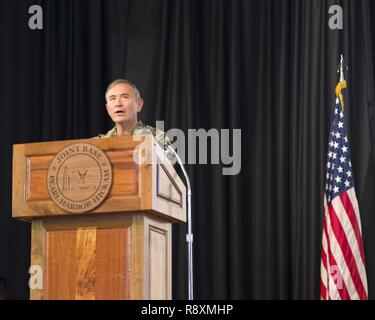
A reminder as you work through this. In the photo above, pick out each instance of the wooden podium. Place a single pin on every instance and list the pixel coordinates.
(119, 250)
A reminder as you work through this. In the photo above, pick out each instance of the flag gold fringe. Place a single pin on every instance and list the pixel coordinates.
(340, 86)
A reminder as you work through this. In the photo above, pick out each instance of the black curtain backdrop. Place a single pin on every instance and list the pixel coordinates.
(267, 67)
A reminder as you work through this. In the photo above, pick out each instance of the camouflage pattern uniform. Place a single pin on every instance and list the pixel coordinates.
(143, 129)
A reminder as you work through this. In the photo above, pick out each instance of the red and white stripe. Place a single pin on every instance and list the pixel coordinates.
(343, 273)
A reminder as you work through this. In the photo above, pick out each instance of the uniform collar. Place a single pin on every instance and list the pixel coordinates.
(138, 126)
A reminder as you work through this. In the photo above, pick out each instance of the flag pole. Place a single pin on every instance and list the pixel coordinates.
(343, 68)
(342, 83)
(342, 78)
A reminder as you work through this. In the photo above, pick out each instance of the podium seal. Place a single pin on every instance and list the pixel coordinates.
(79, 178)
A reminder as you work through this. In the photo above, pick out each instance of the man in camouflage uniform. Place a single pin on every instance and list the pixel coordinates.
(123, 104)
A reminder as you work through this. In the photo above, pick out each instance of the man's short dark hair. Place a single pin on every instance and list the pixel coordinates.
(123, 81)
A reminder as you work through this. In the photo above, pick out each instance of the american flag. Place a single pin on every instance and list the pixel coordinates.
(343, 273)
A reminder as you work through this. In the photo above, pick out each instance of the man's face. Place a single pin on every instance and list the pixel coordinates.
(122, 105)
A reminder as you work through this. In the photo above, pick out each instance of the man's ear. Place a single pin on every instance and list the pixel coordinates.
(106, 106)
(139, 105)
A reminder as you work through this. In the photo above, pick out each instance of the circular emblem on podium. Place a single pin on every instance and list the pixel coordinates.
(79, 178)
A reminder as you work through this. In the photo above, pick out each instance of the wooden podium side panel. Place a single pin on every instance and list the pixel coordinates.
(151, 258)
(158, 255)
(169, 193)
(158, 266)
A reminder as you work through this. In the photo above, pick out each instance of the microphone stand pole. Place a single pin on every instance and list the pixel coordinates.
(189, 235)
